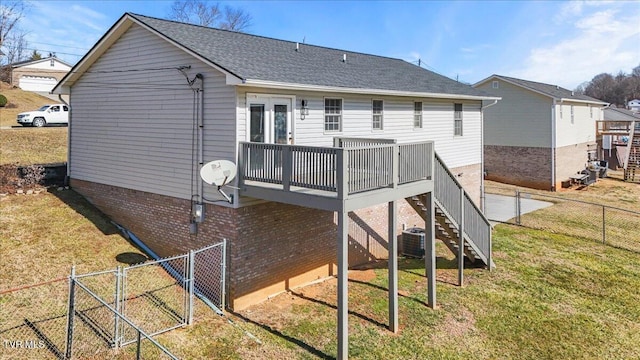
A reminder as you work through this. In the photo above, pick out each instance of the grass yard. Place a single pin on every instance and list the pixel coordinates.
(19, 101)
(26, 146)
(552, 296)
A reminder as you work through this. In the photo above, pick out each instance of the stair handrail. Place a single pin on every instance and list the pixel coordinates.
(477, 210)
(629, 144)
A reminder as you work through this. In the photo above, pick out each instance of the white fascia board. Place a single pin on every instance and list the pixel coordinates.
(116, 31)
(583, 101)
(307, 87)
(119, 28)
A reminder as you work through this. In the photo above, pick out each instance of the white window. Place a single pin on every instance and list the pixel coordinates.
(332, 114)
(417, 114)
(377, 106)
(495, 85)
(457, 119)
(52, 63)
(560, 111)
(572, 114)
(591, 111)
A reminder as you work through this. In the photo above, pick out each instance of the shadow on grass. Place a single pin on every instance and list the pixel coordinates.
(101, 221)
(288, 338)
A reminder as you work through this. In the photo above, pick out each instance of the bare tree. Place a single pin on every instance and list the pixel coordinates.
(10, 14)
(235, 19)
(200, 12)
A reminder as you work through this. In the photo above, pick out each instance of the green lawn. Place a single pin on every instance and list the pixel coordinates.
(26, 146)
(551, 296)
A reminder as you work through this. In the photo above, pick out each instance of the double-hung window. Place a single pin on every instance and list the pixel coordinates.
(376, 123)
(417, 114)
(457, 119)
(332, 114)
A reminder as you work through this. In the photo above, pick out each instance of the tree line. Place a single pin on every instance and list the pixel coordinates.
(616, 89)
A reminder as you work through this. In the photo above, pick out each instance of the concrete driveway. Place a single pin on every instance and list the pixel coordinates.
(501, 208)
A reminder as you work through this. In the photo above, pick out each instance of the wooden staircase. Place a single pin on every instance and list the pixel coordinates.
(446, 229)
(453, 205)
(632, 165)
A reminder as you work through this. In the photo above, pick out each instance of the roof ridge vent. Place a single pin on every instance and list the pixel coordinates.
(344, 58)
(297, 46)
(557, 87)
(572, 93)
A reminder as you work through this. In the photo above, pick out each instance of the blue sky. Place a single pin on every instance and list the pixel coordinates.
(557, 42)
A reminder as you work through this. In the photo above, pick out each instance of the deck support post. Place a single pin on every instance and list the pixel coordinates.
(461, 241)
(343, 268)
(393, 268)
(430, 249)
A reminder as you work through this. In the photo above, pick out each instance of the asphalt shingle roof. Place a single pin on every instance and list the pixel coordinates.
(548, 89)
(260, 58)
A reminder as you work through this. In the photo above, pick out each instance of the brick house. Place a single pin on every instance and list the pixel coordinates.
(327, 142)
(538, 134)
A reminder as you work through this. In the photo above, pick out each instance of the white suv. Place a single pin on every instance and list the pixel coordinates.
(48, 114)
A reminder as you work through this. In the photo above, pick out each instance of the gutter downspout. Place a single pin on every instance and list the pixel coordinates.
(553, 143)
(68, 177)
(482, 197)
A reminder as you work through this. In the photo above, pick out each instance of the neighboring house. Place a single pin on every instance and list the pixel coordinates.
(613, 134)
(538, 134)
(38, 75)
(155, 99)
(634, 105)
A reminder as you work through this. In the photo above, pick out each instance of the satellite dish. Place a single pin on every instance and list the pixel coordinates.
(218, 172)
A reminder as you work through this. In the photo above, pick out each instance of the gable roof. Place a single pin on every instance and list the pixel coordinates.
(618, 114)
(553, 91)
(266, 62)
(31, 62)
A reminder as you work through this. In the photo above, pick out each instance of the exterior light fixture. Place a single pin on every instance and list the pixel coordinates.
(304, 109)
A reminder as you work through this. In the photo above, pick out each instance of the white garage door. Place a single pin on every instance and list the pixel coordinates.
(36, 83)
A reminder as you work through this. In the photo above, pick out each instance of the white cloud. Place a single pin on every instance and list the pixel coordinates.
(604, 41)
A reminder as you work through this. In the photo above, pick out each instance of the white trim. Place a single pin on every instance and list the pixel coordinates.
(324, 114)
(344, 90)
(269, 100)
(381, 116)
(116, 31)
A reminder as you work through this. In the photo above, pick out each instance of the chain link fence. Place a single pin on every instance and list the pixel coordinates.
(33, 321)
(579, 219)
(112, 314)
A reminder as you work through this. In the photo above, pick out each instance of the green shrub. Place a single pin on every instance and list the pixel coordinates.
(3, 100)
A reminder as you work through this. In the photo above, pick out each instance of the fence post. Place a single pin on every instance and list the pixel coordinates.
(116, 330)
(138, 346)
(191, 260)
(604, 228)
(223, 292)
(71, 312)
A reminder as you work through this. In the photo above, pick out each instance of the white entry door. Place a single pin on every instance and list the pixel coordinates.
(269, 120)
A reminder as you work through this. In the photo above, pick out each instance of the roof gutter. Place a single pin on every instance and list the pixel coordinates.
(345, 90)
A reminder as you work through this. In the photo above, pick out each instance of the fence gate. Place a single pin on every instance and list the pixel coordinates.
(114, 308)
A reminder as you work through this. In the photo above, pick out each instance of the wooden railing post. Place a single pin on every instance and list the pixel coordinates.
(395, 159)
(287, 165)
(342, 176)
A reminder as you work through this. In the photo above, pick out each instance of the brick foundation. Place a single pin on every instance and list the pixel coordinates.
(272, 247)
(523, 166)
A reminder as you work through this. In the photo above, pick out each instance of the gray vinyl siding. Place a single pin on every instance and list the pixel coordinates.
(437, 121)
(521, 118)
(133, 129)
